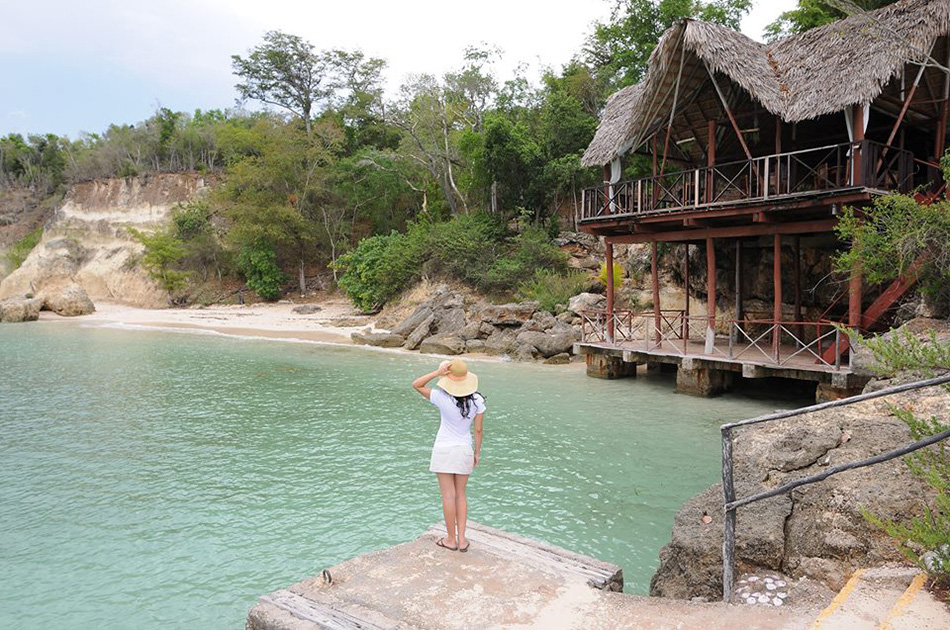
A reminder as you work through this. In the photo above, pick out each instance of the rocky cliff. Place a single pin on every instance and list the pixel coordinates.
(86, 240)
(817, 531)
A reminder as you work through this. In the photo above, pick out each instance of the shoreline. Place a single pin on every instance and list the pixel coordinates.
(260, 322)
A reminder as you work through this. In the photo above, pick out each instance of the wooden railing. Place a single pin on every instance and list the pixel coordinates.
(731, 503)
(783, 175)
(761, 341)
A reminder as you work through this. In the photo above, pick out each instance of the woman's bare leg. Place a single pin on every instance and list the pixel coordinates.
(461, 508)
(447, 488)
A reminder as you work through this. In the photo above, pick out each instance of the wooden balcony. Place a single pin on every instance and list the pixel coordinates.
(862, 168)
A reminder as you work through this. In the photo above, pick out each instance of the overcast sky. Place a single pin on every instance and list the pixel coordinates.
(68, 66)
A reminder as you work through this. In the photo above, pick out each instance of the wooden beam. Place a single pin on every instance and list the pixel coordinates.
(900, 117)
(654, 271)
(776, 291)
(802, 227)
(728, 110)
(609, 256)
(710, 294)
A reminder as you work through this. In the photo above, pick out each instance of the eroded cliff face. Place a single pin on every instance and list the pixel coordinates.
(87, 239)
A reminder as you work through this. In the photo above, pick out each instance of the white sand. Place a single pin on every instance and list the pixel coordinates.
(334, 323)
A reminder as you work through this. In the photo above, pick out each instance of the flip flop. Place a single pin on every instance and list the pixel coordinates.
(444, 546)
(466, 547)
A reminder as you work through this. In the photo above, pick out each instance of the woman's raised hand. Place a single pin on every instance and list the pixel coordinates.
(444, 368)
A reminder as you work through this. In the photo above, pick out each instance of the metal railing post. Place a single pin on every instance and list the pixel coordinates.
(729, 516)
(837, 348)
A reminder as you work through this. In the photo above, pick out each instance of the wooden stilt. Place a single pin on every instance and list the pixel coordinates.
(733, 334)
(799, 331)
(654, 270)
(710, 161)
(610, 290)
(710, 295)
(857, 170)
(777, 292)
(686, 277)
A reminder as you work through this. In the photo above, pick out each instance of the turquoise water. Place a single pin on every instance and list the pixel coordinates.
(164, 480)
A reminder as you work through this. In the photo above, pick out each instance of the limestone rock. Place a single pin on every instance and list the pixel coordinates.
(558, 359)
(307, 309)
(818, 531)
(443, 344)
(548, 344)
(381, 340)
(15, 309)
(508, 314)
(475, 345)
(545, 320)
(469, 331)
(486, 330)
(69, 301)
(502, 341)
(412, 322)
(586, 302)
(450, 320)
(420, 332)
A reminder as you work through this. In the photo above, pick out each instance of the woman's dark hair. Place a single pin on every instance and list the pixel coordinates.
(464, 403)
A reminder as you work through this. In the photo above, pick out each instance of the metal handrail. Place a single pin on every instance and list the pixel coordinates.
(731, 503)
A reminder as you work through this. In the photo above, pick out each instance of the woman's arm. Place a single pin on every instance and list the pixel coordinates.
(420, 383)
(479, 427)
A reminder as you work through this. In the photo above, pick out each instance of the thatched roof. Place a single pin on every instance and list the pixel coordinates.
(801, 77)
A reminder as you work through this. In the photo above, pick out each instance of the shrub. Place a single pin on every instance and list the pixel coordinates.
(162, 258)
(618, 274)
(260, 269)
(381, 267)
(924, 540)
(553, 290)
(530, 251)
(466, 246)
(22, 248)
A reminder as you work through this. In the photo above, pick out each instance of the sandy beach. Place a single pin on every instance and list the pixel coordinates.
(333, 323)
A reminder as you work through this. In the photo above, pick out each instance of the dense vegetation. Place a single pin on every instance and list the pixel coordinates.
(462, 174)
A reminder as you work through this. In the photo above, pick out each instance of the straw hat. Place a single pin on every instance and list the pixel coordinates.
(459, 382)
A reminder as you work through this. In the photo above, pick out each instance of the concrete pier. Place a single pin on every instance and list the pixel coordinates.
(503, 581)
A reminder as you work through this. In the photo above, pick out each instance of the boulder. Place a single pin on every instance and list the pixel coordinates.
(558, 359)
(421, 331)
(69, 301)
(16, 309)
(532, 325)
(502, 341)
(586, 302)
(818, 531)
(412, 322)
(443, 344)
(381, 339)
(486, 330)
(548, 344)
(567, 317)
(475, 345)
(469, 331)
(545, 320)
(508, 314)
(449, 320)
(525, 352)
(307, 309)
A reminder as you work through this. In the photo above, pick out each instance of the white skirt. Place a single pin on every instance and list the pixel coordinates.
(458, 460)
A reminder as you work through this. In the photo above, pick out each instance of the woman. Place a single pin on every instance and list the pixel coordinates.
(453, 455)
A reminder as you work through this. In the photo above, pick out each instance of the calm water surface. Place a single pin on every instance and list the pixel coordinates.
(162, 480)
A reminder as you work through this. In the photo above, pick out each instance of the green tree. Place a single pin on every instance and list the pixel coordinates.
(286, 72)
(810, 14)
(619, 48)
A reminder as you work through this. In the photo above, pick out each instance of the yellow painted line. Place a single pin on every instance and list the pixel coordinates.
(839, 598)
(904, 600)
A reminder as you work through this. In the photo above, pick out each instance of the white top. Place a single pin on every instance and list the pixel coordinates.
(455, 429)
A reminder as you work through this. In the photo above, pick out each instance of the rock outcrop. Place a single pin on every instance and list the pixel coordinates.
(818, 531)
(447, 323)
(87, 241)
(69, 300)
(20, 309)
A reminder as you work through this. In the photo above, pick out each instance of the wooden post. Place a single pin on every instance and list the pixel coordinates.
(738, 279)
(610, 290)
(799, 330)
(607, 196)
(710, 161)
(656, 292)
(857, 170)
(778, 161)
(686, 278)
(855, 295)
(777, 291)
(710, 295)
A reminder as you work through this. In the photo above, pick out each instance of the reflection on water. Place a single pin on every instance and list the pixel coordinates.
(156, 480)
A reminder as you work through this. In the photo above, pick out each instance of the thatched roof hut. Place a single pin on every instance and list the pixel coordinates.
(802, 77)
